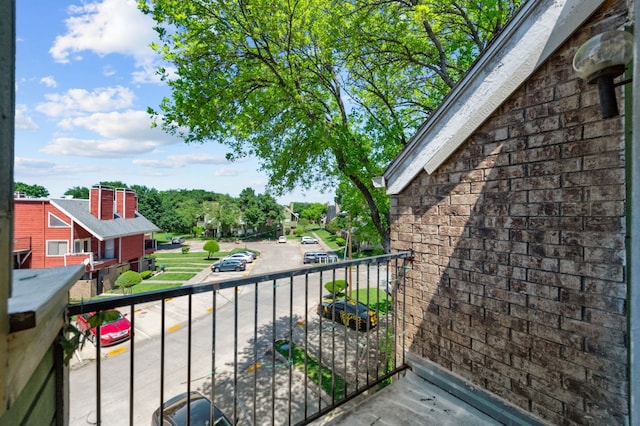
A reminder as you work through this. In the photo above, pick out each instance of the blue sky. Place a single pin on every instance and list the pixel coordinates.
(84, 79)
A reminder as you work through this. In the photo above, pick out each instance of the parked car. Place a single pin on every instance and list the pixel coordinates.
(174, 412)
(242, 256)
(253, 254)
(351, 313)
(282, 239)
(177, 240)
(308, 240)
(115, 329)
(319, 257)
(312, 256)
(229, 265)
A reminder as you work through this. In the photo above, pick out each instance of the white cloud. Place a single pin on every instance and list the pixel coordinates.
(76, 101)
(35, 167)
(31, 163)
(181, 161)
(228, 171)
(23, 120)
(49, 81)
(134, 125)
(156, 164)
(122, 134)
(107, 27)
(112, 148)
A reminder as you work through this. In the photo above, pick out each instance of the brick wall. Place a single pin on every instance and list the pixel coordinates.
(519, 282)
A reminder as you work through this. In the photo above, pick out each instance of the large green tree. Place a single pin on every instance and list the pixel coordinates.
(149, 203)
(260, 212)
(221, 216)
(313, 212)
(37, 191)
(79, 192)
(321, 92)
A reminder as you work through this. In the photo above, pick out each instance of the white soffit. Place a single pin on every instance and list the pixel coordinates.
(534, 33)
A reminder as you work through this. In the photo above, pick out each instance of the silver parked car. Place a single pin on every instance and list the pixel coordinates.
(241, 256)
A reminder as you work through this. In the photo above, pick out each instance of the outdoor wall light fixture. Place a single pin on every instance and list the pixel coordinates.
(600, 60)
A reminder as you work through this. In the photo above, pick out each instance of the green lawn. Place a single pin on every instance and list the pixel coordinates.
(146, 287)
(187, 263)
(172, 276)
(374, 298)
(143, 287)
(330, 240)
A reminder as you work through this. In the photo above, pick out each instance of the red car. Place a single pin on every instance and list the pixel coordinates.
(114, 329)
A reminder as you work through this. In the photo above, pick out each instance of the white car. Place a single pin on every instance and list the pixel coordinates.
(240, 256)
(282, 239)
(308, 240)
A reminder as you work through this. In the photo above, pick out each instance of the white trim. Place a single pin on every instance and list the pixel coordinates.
(49, 225)
(57, 241)
(534, 33)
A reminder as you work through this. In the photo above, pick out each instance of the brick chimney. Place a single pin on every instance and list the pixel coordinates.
(101, 202)
(126, 203)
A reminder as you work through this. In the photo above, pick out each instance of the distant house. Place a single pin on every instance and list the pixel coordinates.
(105, 232)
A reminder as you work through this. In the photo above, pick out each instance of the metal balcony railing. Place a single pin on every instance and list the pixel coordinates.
(264, 349)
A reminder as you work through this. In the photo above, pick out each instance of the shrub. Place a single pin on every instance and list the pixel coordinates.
(336, 287)
(185, 250)
(341, 241)
(128, 279)
(211, 247)
(145, 274)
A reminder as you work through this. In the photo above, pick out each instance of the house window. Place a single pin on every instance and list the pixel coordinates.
(57, 248)
(56, 222)
(82, 246)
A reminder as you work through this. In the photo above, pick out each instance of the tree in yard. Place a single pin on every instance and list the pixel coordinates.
(336, 288)
(321, 92)
(79, 192)
(189, 210)
(128, 279)
(314, 212)
(259, 212)
(36, 191)
(211, 247)
(114, 184)
(222, 215)
(149, 203)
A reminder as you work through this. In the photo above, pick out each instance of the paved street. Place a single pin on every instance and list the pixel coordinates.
(234, 311)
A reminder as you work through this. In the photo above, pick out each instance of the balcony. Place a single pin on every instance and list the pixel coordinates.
(21, 251)
(255, 346)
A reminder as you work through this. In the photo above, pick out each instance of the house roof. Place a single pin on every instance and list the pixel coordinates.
(535, 32)
(79, 211)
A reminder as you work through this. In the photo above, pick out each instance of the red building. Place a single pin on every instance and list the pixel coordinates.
(105, 232)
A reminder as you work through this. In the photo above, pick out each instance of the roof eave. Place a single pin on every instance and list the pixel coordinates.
(102, 237)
